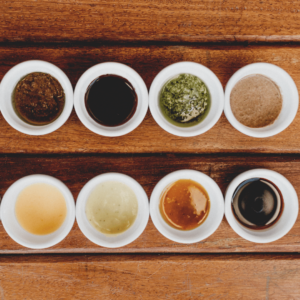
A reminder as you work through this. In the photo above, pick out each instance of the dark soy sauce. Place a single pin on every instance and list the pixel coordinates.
(111, 100)
(257, 203)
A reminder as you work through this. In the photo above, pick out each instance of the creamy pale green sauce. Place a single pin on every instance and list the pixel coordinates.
(185, 100)
(112, 207)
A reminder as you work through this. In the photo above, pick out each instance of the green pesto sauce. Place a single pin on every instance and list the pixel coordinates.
(185, 100)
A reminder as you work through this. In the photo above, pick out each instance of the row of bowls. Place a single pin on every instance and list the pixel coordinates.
(215, 216)
(219, 100)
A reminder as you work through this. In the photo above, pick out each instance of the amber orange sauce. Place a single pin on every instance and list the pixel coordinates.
(185, 204)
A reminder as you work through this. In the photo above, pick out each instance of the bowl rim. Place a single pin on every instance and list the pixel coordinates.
(83, 197)
(175, 69)
(24, 127)
(246, 233)
(118, 69)
(157, 218)
(70, 203)
(255, 69)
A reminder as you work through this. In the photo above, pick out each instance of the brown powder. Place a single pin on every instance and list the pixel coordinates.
(39, 99)
(256, 101)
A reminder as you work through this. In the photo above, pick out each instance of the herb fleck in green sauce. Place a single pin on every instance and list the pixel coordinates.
(185, 100)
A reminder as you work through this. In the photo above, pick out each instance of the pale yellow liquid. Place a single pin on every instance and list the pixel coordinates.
(41, 208)
(112, 207)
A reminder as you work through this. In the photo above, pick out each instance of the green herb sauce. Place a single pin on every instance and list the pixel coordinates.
(185, 100)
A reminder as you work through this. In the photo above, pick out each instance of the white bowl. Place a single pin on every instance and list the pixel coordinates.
(131, 233)
(288, 91)
(286, 220)
(8, 84)
(116, 69)
(214, 217)
(14, 229)
(211, 81)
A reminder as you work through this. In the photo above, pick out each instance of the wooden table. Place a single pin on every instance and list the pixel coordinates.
(148, 35)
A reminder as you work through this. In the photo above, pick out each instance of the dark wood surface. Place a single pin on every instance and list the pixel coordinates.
(149, 35)
(145, 20)
(75, 171)
(73, 137)
(150, 277)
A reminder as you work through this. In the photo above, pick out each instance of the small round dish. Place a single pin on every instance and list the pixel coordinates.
(14, 229)
(214, 217)
(133, 232)
(211, 81)
(114, 69)
(8, 84)
(288, 91)
(286, 220)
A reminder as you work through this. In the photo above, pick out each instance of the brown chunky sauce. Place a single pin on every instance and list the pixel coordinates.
(185, 204)
(38, 99)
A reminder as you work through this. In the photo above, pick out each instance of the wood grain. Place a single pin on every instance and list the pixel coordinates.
(149, 20)
(75, 171)
(150, 277)
(73, 137)
(74, 154)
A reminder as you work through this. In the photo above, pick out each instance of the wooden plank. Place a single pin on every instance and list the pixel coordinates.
(142, 20)
(75, 171)
(150, 277)
(73, 137)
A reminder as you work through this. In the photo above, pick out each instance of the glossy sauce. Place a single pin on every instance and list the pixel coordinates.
(112, 207)
(185, 204)
(111, 100)
(41, 208)
(257, 203)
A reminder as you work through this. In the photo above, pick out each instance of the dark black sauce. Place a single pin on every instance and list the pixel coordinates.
(257, 203)
(111, 100)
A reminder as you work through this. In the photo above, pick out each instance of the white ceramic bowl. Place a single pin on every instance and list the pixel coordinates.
(214, 217)
(14, 229)
(288, 91)
(8, 84)
(211, 81)
(285, 222)
(116, 69)
(129, 235)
